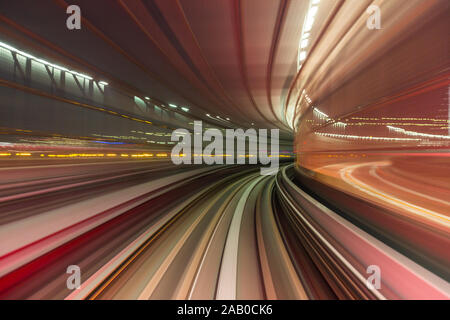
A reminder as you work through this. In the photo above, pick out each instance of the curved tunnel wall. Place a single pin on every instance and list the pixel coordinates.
(392, 107)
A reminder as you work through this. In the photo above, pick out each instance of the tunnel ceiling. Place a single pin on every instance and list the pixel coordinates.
(232, 59)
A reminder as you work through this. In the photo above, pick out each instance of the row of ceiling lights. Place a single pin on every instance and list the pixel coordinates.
(217, 117)
(185, 109)
(306, 31)
(302, 50)
(222, 119)
(87, 77)
(49, 64)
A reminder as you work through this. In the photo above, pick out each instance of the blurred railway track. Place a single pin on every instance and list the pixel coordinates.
(208, 233)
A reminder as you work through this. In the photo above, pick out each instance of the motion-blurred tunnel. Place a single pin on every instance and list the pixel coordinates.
(225, 149)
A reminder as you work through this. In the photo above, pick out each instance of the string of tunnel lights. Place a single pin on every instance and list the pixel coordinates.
(402, 131)
(121, 155)
(101, 83)
(49, 64)
(304, 42)
(61, 68)
(418, 134)
(74, 73)
(174, 106)
(306, 31)
(218, 118)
